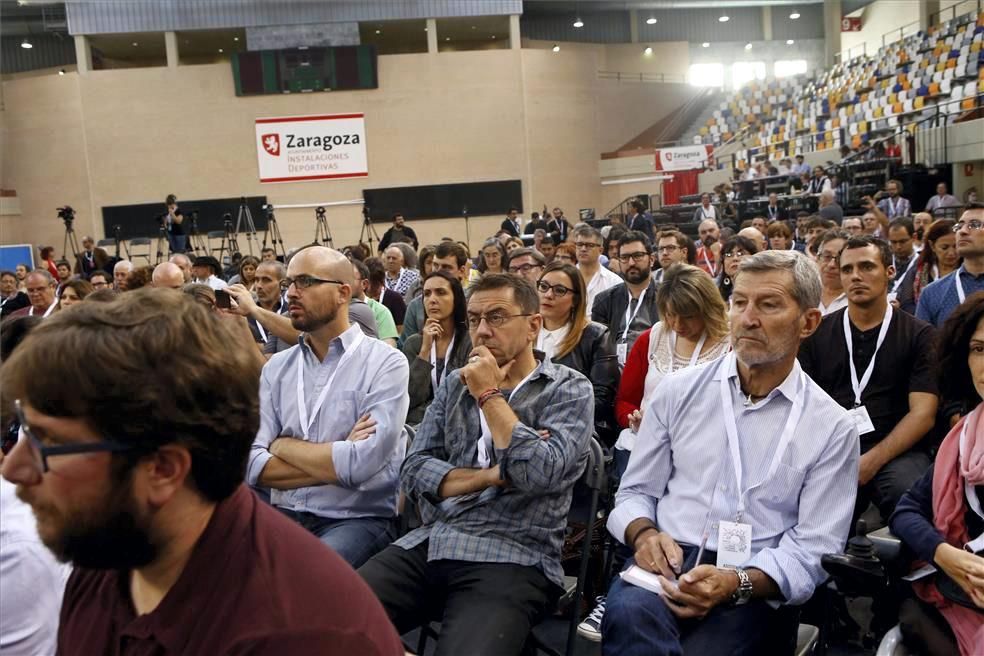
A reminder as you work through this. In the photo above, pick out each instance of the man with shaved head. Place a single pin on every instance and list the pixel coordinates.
(332, 410)
(168, 276)
(183, 262)
(756, 236)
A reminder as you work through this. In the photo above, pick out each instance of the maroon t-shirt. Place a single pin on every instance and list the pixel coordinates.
(256, 583)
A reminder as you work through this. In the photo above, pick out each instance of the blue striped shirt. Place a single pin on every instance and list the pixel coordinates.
(681, 468)
(368, 470)
(523, 523)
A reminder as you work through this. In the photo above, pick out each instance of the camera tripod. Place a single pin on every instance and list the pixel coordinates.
(273, 229)
(195, 240)
(368, 231)
(322, 232)
(163, 245)
(246, 217)
(229, 240)
(68, 216)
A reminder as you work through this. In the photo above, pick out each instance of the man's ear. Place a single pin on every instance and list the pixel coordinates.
(163, 473)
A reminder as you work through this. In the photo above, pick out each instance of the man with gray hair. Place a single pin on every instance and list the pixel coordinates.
(732, 551)
(829, 209)
(41, 293)
(183, 262)
(121, 270)
(588, 244)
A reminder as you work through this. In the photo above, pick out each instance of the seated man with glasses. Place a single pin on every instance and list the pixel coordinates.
(629, 309)
(588, 243)
(324, 467)
(673, 247)
(526, 262)
(131, 455)
(941, 298)
(491, 470)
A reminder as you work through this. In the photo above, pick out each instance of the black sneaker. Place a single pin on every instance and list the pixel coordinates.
(590, 628)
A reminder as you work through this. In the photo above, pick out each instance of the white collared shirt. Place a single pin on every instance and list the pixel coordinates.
(604, 279)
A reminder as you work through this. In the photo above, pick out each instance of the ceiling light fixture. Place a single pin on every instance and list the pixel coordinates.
(651, 20)
(26, 44)
(794, 15)
(61, 71)
(578, 22)
(789, 42)
(705, 45)
(493, 36)
(724, 18)
(134, 44)
(235, 38)
(447, 38)
(379, 32)
(748, 46)
(648, 50)
(221, 50)
(556, 48)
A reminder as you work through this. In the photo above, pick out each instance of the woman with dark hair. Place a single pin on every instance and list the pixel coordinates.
(940, 519)
(937, 259)
(72, 292)
(569, 338)
(733, 250)
(491, 257)
(441, 346)
(48, 261)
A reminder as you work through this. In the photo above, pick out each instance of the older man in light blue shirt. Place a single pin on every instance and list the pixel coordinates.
(745, 464)
(332, 413)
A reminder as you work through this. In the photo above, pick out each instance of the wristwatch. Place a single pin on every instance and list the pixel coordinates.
(743, 594)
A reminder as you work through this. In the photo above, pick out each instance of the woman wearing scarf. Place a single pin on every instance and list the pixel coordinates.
(941, 517)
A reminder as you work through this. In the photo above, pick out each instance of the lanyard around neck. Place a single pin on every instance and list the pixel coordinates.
(961, 294)
(628, 311)
(693, 356)
(731, 428)
(308, 419)
(435, 379)
(856, 385)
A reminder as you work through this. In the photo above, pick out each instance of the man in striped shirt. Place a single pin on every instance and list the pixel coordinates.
(728, 517)
(491, 469)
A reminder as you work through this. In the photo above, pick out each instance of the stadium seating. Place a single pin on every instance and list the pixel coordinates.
(941, 68)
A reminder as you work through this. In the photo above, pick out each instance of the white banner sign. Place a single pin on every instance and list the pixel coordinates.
(298, 148)
(682, 158)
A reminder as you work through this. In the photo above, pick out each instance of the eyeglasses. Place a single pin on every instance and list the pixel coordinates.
(306, 282)
(524, 268)
(668, 249)
(973, 224)
(735, 254)
(100, 285)
(41, 453)
(635, 257)
(558, 290)
(494, 319)
(827, 258)
(586, 245)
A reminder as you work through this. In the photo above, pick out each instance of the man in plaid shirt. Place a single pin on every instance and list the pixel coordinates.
(491, 469)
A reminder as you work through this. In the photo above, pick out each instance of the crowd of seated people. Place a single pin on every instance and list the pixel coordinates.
(756, 390)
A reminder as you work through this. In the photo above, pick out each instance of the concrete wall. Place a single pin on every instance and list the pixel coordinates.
(113, 137)
(878, 19)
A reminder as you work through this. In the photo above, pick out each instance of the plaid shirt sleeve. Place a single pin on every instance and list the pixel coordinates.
(426, 463)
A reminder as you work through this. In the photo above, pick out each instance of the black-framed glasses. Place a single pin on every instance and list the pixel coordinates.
(973, 224)
(494, 319)
(558, 290)
(524, 268)
(306, 282)
(41, 452)
(635, 257)
(673, 248)
(586, 245)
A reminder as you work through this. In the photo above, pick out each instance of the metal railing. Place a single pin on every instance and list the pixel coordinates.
(659, 78)
(900, 33)
(653, 201)
(932, 149)
(938, 17)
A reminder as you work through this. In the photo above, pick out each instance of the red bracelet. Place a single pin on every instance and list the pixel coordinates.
(488, 394)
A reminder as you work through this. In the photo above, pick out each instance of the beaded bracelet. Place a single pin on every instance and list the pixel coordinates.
(488, 394)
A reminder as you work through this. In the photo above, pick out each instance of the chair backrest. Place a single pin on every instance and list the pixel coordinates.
(140, 241)
(102, 243)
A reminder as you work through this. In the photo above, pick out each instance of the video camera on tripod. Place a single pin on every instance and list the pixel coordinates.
(66, 214)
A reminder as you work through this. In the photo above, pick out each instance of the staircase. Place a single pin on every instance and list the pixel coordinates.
(671, 129)
(711, 99)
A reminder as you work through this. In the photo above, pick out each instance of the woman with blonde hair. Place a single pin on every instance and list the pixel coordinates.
(692, 330)
(569, 338)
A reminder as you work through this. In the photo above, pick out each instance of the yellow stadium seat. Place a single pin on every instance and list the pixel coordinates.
(856, 141)
(940, 66)
(934, 89)
(897, 107)
(704, 132)
(920, 102)
(967, 103)
(951, 63)
(879, 112)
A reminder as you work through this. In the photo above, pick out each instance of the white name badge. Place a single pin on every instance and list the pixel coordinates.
(622, 351)
(734, 544)
(862, 420)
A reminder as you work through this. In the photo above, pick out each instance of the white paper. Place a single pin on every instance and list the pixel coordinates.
(643, 579)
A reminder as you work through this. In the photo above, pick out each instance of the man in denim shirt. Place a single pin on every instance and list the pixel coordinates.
(491, 469)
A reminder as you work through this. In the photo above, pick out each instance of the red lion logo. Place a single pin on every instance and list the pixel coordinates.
(271, 144)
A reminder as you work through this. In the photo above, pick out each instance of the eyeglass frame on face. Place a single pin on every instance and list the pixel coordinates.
(41, 453)
(638, 256)
(308, 282)
(494, 319)
(586, 245)
(559, 291)
(523, 268)
(961, 224)
(738, 253)
(669, 248)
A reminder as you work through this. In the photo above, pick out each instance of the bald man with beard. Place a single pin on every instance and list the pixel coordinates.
(167, 275)
(332, 413)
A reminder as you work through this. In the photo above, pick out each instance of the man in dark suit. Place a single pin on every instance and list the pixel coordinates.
(537, 222)
(91, 258)
(641, 220)
(772, 211)
(559, 227)
(511, 223)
